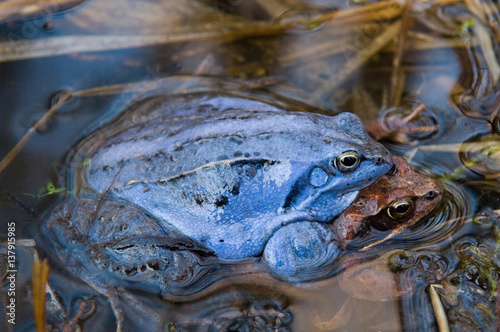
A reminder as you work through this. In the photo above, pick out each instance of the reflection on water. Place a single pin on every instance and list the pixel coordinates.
(449, 219)
(241, 308)
(482, 156)
(343, 56)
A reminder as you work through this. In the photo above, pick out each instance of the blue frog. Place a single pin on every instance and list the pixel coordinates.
(230, 173)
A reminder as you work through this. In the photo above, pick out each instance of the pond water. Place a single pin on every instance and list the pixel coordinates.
(374, 59)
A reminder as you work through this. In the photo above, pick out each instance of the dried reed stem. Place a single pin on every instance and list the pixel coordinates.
(20, 145)
(39, 277)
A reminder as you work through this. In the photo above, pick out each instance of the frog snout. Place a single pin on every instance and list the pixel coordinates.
(379, 157)
(385, 157)
(382, 162)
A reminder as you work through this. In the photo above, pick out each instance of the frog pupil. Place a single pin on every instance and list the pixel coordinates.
(349, 161)
(402, 208)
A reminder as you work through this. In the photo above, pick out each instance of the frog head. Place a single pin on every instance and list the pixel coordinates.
(397, 201)
(351, 161)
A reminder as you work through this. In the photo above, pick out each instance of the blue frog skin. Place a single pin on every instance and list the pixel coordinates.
(301, 251)
(232, 175)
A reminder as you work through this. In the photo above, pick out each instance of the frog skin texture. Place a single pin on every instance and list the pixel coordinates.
(232, 178)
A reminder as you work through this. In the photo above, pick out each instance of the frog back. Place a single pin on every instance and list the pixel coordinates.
(167, 147)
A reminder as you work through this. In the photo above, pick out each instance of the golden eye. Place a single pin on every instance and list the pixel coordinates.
(400, 209)
(347, 161)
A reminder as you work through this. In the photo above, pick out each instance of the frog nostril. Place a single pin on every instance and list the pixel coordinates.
(431, 194)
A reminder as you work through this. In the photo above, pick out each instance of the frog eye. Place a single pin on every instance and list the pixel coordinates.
(400, 209)
(347, 161)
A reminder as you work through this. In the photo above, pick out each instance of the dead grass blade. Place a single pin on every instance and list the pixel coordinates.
(396, 82)
(486, 45)
(439, 312)
(19, 146)
(39, 278)
(17, 9)
(359, 59)
(217, 31)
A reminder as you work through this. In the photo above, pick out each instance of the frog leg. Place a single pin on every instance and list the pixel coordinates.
(95, 263)
(301, 251)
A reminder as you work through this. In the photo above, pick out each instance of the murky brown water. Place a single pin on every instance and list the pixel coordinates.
(342, 62)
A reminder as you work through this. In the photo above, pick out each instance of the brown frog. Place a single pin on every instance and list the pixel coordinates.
(398, 200)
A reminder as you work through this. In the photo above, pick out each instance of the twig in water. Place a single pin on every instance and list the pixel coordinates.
(439, 312)
(359, 59)
(20, 145)
(396, 62)
(39, 275)
(75, 319)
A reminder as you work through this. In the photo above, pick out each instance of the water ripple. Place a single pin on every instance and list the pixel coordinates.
(428, 119)
(245, 309)
(482, 156)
